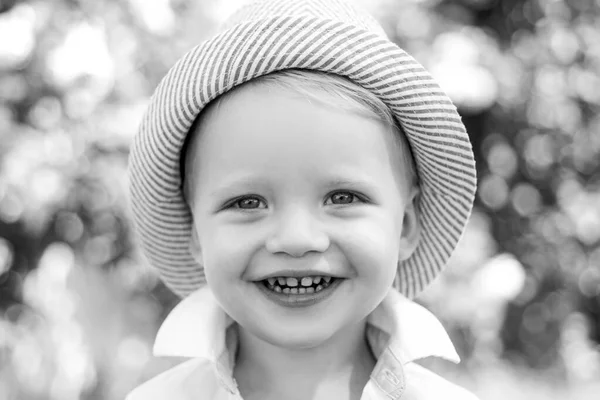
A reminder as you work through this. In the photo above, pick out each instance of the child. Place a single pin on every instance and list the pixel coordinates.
(297, 179)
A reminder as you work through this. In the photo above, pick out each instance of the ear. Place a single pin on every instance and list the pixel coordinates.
(411, 227)
(195, 249)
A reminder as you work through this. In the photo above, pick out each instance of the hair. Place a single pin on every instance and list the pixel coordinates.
(330, 89)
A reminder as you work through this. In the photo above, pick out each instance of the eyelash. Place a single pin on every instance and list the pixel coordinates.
(232, 204)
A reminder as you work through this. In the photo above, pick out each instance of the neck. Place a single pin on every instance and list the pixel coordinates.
(342, 365)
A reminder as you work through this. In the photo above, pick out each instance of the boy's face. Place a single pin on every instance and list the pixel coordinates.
(282, 188)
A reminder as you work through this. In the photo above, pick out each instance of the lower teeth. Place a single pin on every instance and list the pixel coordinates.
(298, 290)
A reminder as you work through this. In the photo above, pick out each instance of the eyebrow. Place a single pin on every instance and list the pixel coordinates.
(245, 181)
(236, 183)
(348, 182)
(362, 184)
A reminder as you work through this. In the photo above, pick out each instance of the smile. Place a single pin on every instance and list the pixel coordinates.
(299, 292)
(307, 284)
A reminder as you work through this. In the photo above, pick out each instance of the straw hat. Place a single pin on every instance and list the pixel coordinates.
(324, 35)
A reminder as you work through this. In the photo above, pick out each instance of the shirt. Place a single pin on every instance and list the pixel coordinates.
(399, 332)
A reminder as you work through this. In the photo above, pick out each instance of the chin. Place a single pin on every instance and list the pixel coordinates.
(294, 337)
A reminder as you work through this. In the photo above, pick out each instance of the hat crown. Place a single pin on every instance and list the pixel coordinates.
(336, 10)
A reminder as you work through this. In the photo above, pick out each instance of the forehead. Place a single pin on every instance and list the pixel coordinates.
(276, 132)
(259, 111)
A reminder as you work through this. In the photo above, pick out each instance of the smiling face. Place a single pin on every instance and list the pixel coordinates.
(285, 187)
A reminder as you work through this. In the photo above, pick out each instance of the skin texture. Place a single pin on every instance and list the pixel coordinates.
(281, 183)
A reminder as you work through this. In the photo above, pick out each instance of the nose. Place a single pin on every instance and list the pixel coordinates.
(296, 233)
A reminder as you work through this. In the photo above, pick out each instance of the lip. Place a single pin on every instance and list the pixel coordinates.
(300, 300)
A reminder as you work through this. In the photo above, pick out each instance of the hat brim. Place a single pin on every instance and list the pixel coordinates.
(440, 144)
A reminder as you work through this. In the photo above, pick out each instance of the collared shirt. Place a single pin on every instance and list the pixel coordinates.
(399, 332)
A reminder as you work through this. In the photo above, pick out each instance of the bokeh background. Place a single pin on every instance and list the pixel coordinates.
(521, 298)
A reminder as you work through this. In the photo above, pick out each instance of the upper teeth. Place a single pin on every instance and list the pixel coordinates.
(292, 282)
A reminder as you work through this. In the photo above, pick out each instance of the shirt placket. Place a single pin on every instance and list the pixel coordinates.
(388, 376)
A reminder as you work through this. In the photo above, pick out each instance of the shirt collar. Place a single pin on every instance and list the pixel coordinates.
(196, 328)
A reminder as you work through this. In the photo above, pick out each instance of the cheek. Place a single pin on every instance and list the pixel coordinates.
(372, 248)
(226, 252)
(226, 256)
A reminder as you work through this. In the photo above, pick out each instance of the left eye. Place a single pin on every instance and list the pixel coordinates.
(343, 198)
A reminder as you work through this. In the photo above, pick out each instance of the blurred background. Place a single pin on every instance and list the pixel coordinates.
(521, 297)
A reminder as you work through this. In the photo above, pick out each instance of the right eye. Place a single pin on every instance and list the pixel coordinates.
(248, 203)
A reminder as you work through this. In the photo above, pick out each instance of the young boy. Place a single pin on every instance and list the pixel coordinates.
(297, 179)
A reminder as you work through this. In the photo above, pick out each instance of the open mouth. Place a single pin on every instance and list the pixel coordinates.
(290, 285)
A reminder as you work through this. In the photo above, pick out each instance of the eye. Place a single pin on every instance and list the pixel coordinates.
(248, 203)
(341, 198)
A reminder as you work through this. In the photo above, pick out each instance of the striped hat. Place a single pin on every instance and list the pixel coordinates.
(324, 35)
